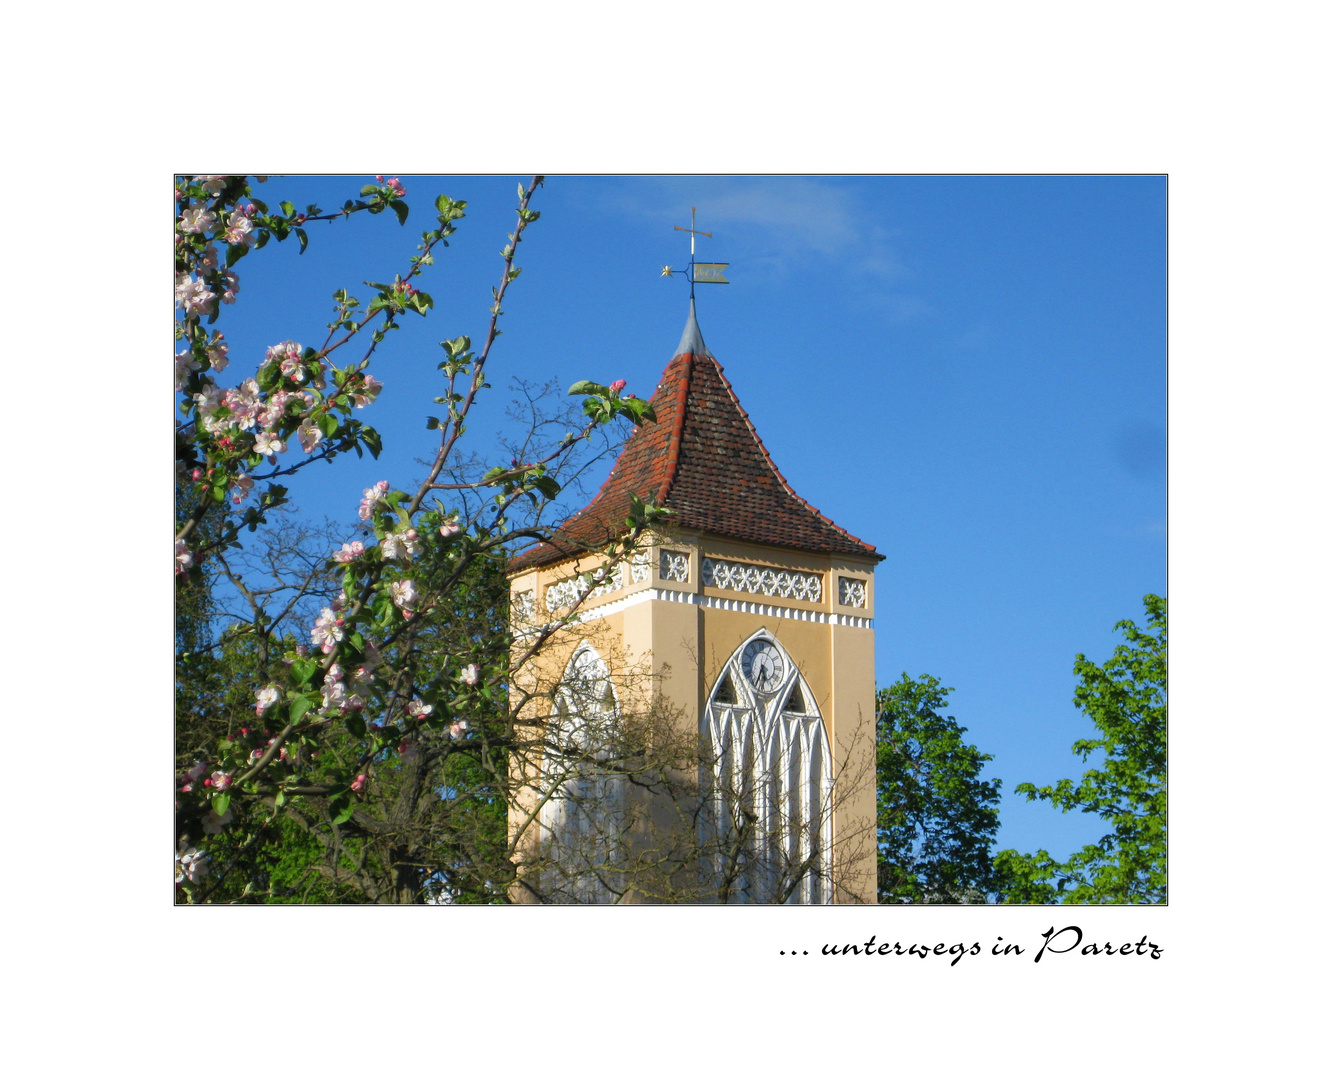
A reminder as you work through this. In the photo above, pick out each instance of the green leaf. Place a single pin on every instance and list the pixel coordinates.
(287, 208)
(341, 808)
(302, 240)
(302, 671)
(585, 386)
(298, 707)
(219, 803)
(442, 204)
(400, 210)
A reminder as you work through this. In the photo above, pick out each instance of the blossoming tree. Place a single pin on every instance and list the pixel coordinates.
(396, 688)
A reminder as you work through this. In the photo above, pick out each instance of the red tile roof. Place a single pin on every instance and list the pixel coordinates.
(704, 460)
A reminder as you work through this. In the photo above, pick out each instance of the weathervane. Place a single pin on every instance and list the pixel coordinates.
(707, 273)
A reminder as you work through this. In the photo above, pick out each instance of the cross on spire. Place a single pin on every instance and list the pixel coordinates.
(708, 273)
(693, 233)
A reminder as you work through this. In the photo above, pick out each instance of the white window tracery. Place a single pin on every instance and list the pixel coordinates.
(582, 816)
(770, 780)
(746, 577)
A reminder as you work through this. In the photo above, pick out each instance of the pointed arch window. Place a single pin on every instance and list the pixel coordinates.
(580, 819)
(769, 781)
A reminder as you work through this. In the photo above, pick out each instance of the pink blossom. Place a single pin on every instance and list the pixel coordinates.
(470, 674)
(310, 435)
(402, 545)
(230, 286)
(242, 487)
(193, 295)
(371, 496)
(359, 782)
(209, 258)
(372, 657)
(239, 230)
(458, 728)
(418, 710)
(182, 557)
(219, 780)
(617, 386)
(213, 183)
(190, 865)
(217, 352)
(268, 444)
(450, 528)
(266, 697)
(197, 219)
(327, 630)
(183, 365)
(403, 594)
(349, 552)
(366, 393)
(396, 188)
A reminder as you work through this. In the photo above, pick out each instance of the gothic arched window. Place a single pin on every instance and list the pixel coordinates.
(580, 818)
(770, 780)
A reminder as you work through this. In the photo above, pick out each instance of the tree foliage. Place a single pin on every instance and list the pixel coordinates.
(1126, 699)
(936, 820)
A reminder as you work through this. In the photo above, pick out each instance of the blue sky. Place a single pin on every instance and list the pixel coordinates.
(967, 372)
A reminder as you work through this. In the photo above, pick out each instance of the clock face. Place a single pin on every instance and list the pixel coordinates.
(763, 666)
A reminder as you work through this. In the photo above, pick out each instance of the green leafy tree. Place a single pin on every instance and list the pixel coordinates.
(1126, 699)
(936, 820)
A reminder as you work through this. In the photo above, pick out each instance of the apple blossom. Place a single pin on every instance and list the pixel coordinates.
(239, 230)
(418, 710)
(182, 557)
(310, 435)
(268, 444)
(197, 219)
(217, 352)
(230, 286)
(403, 594)
(327, 630)
(458, 728)
(450, 528)
(397, 188)
(617, 386)
(370, 497)
(402, 545)
(367, 391)
(219, 780)
(242, 485)
(359, 782)
(266, 697)
(470, 674)
(191, 865)
(349, 552)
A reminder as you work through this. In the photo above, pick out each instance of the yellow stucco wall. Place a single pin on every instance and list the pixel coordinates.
(688, 643)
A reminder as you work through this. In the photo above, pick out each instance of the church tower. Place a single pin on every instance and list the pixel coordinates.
(753, 613)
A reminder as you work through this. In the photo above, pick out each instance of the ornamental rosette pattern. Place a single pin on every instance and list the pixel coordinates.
(524, 603)
(852, 592)
(565, 593)
(675, 566)
(761, 580)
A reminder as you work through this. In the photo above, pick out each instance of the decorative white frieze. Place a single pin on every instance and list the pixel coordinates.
(852, 592)
(675, 565)
(566, 592)
(762, 580)
(524, 604)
